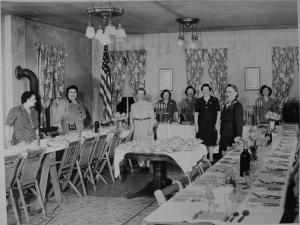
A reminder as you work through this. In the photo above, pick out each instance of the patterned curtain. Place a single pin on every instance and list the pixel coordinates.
(194, 67)
(217, 70)
(118, 71)
(135, 61)
(283, 63)
(50, 60)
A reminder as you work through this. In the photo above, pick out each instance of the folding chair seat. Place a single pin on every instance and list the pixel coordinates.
(82, 165)
(11, 166)
(97, 156)
(164, 194)
(109, 154)
(26, 178)
(66, 166)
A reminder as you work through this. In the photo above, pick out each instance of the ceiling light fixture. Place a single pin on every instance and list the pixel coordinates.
(188, 25)
(110, 24)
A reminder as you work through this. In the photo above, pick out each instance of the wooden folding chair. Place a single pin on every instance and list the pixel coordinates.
(11, 166)
(66, 166)
(97, 156)
(183, 182)
(204, 165)
(26, 178)
(163, 195)
(109, 153)
(196, 172)
(82, 164)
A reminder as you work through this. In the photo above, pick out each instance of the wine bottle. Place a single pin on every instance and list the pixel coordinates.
(245, 159)
(268, 135)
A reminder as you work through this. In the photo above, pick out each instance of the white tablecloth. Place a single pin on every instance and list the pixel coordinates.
(186, 205)
(185, 152)
(166, 131)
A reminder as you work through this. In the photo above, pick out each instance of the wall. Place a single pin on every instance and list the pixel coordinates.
(78, 55)
(250, 48)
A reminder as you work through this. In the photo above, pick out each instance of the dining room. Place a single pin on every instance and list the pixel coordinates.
(118, 112)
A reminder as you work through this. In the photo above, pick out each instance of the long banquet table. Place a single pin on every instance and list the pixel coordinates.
(51, 146)
(264, 197)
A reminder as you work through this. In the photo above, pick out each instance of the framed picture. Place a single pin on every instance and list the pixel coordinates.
(165, 79)
(252, 78)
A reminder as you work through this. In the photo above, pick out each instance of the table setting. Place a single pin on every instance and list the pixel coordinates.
(256, 198)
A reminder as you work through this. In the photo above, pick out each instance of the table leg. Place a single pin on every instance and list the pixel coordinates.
(49, 166)
(159, 181)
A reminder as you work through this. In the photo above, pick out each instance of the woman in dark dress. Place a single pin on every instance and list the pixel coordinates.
(207, 119)
(231, 119)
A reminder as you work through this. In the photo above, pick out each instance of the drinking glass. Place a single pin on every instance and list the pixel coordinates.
(209, 195)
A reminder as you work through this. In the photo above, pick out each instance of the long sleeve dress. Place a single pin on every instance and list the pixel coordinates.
(142, 115)
(70, 115)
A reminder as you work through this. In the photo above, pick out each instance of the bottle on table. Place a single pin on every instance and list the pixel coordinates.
(97, 125)
(245, 159)
(268, 135)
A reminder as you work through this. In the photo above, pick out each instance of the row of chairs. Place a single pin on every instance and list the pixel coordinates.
(78, 162)
(162, 195)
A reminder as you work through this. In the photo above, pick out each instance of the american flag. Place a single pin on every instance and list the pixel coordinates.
(105, 86)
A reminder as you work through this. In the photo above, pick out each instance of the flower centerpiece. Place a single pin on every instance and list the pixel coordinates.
(272, 117)
(120, 119)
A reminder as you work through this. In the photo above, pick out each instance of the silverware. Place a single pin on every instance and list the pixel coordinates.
(266, 196)
(197, 214)
(244, 214)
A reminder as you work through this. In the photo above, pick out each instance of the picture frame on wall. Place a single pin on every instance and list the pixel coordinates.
(165, 79)
(252, 78)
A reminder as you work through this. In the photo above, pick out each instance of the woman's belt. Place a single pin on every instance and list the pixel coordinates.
(140, 119)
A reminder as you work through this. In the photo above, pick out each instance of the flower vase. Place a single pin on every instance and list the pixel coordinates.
(272, 125)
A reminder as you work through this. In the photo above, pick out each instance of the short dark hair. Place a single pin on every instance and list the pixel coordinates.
(141, 89)
(162, 94)
(263, 87)
(206, 85)
(69, 88)
(26, 95)
(190, 87)
(234, 87)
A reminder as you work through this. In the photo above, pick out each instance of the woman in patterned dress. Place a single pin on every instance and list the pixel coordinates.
(70, 113)
(22, 121)
(142, 117)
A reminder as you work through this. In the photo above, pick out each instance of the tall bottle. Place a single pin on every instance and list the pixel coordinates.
(97, 126)
(268, 135)
(245, 159)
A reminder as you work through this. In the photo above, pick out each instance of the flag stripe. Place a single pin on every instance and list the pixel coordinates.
(105, 86)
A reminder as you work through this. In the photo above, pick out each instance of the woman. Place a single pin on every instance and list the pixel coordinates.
(264, 103)
(170, 105)
(70, 113)
(22, 121)
(142, 117)
(188, 105)
(231, 119)
(207, 119)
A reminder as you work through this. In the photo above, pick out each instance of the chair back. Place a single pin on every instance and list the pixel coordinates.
(30, 166)
(204, 165)
(69, 157)
(11, 165)
(114, 142)
(98, 147)
(163, 195)
(86, 150)
(196, 172)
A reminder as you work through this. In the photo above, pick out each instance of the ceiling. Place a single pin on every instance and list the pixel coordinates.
(142, 17)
